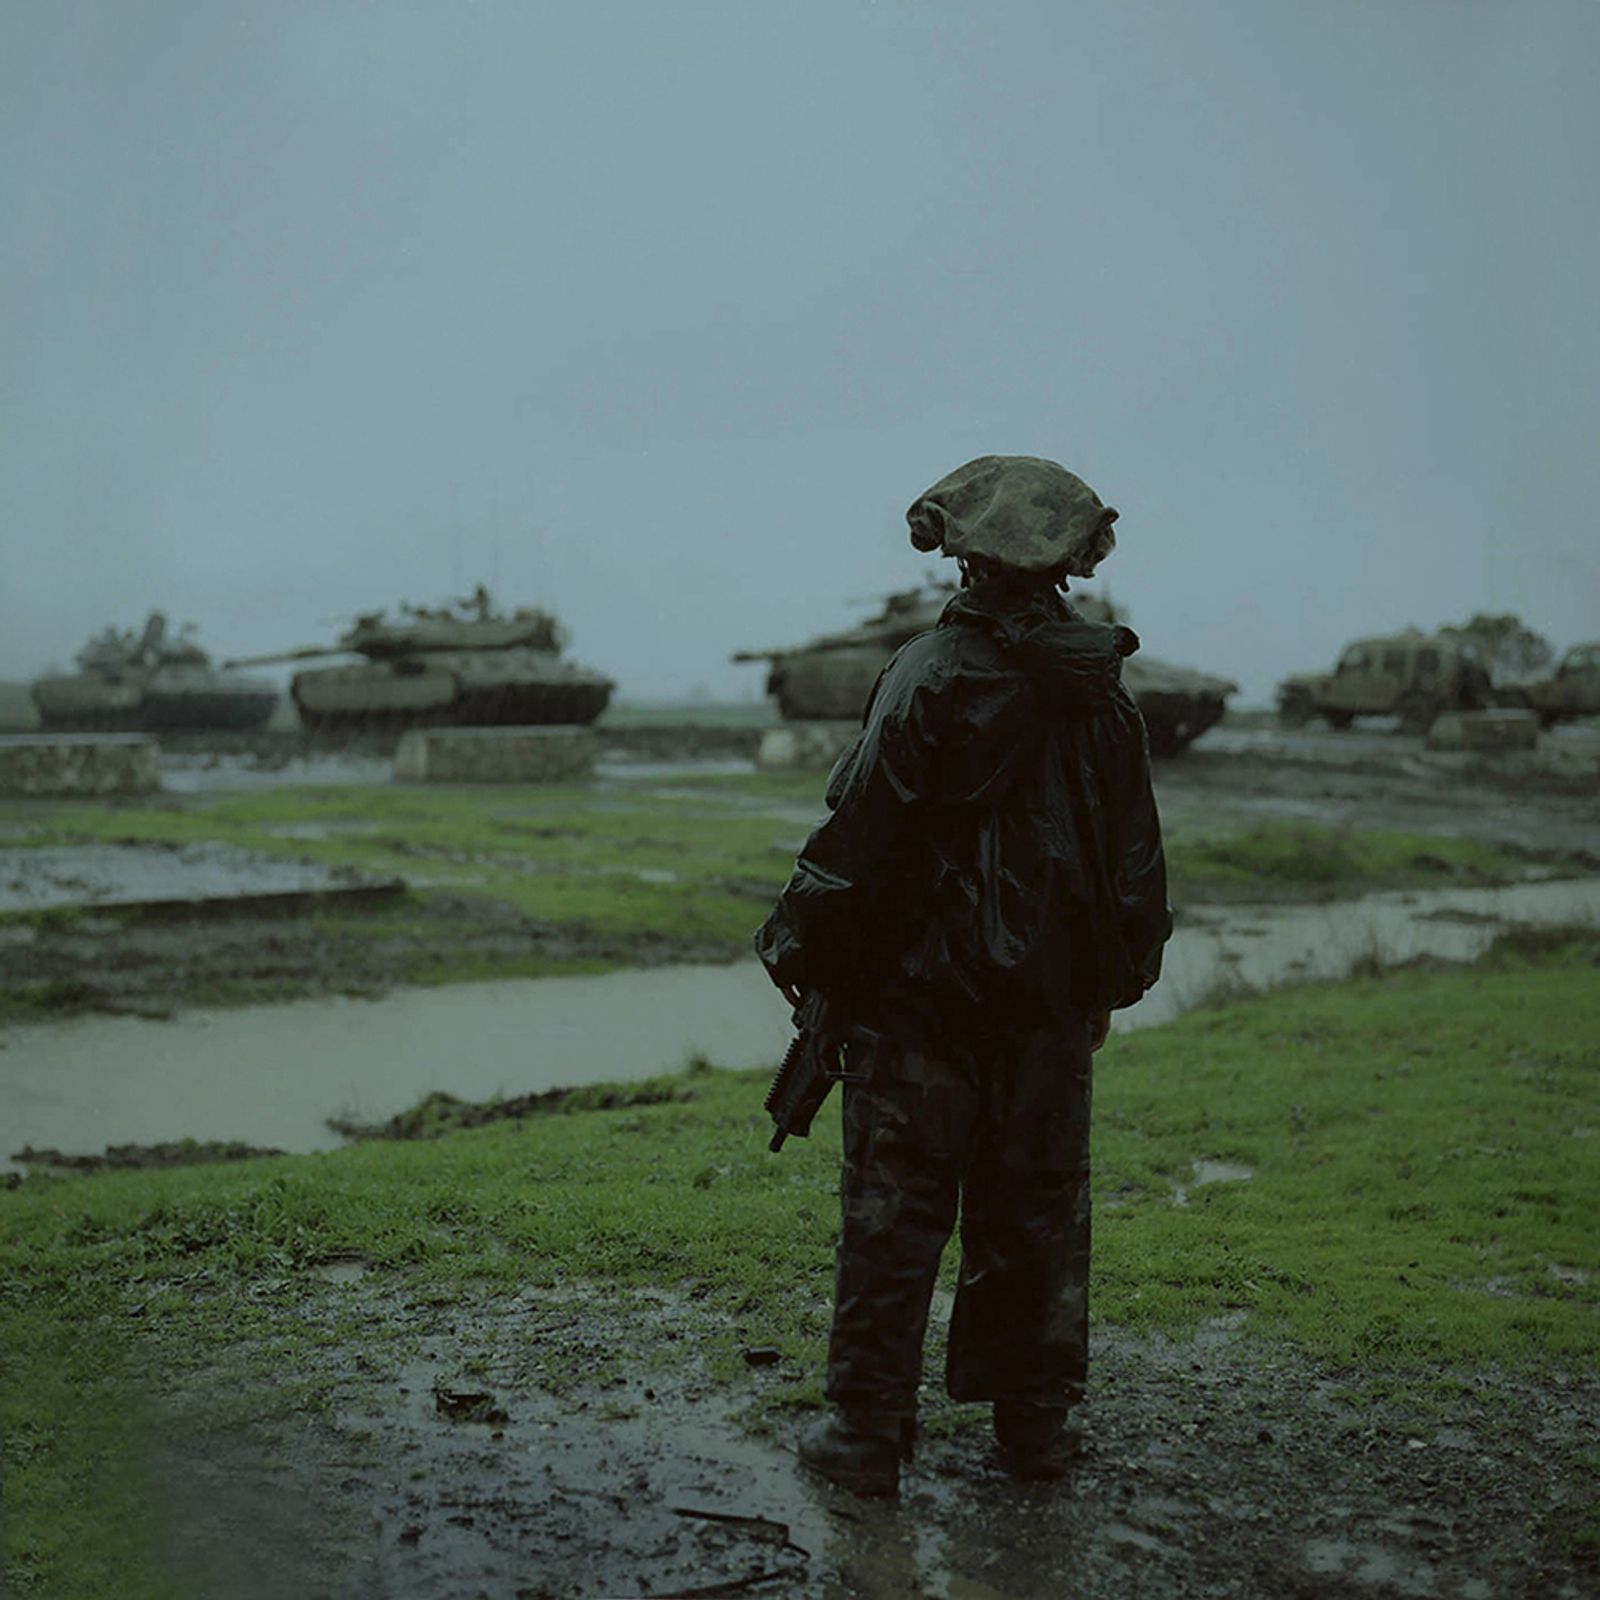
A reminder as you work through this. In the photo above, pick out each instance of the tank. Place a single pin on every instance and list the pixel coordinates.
(829, 677)
(459, 664)
(150, 682)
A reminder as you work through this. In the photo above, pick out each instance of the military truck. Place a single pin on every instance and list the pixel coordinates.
(1573, 690)
(829, 677)
(1411, 675)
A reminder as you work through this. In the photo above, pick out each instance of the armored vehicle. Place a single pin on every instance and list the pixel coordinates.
(1411, 675)
(830, 677)
(462, 663)
(150, 682)
(1572, 691)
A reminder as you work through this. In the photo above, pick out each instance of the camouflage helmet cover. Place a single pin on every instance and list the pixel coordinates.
(1021, 512)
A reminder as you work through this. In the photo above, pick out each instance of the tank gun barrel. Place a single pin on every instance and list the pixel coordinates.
(310, 652)
(866, 634)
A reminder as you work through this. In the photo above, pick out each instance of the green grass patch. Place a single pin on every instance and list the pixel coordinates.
(694, 858)
(1422, 1150)
(690, 862)
(684, 713)
(1422, 1189)
(78, 1523)
(1313, 861)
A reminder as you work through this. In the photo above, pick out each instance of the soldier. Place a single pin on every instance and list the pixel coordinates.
(988, 886)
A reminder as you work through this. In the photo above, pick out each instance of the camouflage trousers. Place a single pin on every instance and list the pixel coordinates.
(1002, 1133)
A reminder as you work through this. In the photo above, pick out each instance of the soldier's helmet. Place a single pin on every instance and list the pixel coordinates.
(1021, 512)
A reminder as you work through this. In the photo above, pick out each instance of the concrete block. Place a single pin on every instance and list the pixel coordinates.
(807, 745)
(1484, 730)
(494, 755)
(74, 764)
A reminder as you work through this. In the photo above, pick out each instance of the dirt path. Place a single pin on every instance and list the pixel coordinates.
(469, 1463)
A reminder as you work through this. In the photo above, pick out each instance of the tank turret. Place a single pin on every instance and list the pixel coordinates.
(458, 663)
(830, 677)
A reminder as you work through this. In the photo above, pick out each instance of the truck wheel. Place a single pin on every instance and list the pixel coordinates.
(1416, 712)
(1340, 719)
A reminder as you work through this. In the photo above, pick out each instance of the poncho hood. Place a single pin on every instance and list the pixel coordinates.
(1069, 658)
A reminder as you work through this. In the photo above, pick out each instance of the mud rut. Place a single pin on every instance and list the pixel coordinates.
(1217, 1465)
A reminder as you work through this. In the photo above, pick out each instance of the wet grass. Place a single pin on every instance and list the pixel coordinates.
(684, 864)
(1313, 861)
(681, 713)
(633, 869)
(1423, 1183)
(610, 845)
(1422, 1158)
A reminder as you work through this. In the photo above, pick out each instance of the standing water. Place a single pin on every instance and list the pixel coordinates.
(272, 1075)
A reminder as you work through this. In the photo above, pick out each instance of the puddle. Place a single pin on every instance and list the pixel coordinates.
(468, 1456)
(1254, 948)
(341, 1269)
(342, 828)
(639, 1484)
(192, 772)
(272, 1074)
(1366, 1564)
(1450, 914)
(622, 769)
(281, 1070)
(1205, 1172)
(1221, 1172)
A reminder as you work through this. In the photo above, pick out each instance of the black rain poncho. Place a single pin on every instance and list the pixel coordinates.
(992, 852)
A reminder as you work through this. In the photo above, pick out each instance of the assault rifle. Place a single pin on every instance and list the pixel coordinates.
(808, 1070)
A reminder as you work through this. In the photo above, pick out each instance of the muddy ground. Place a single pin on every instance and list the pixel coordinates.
(1378, 779)
(574, 1443)
(150, 965)
(465, 1461)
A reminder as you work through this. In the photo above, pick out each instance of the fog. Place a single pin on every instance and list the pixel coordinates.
(660, 314)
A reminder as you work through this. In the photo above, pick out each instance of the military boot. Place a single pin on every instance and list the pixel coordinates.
(858, 1449)
(1038, 1439)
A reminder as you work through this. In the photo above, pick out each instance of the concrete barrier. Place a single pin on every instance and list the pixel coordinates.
(494, 755)
(805, 745)
(51, 765)
(1484, 730)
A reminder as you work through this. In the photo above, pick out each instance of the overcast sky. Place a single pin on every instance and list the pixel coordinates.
(659, 314)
